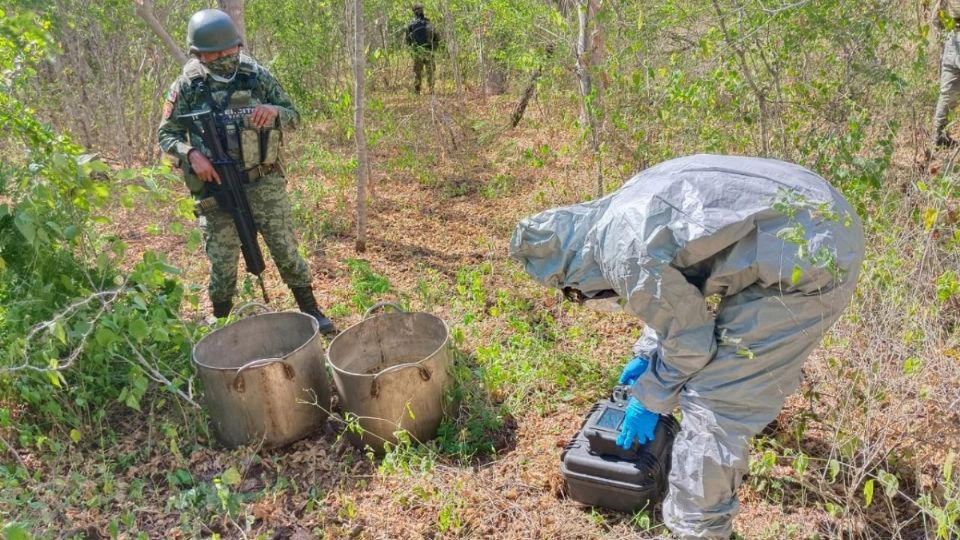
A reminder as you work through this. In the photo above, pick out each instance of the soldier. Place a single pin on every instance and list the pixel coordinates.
(235, 80)
(949, 72)
(423, 42)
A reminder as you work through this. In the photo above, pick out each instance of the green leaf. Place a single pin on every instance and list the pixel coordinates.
(231, 477)
(185, 207)
(868, 492)
(194, 240)
(138, 329)
(800, 464)
(58, 332)
(133, 402)
(912, 365)
(140, 302)
(27, 226)
(104, 336)
(75, 435)
(891, 485)
(929, 218)
(796, 274)
(833, 468)
(54, 378)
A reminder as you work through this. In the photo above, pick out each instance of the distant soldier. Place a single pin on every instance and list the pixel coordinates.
(234, 80)
(423, 41)
(949, 11)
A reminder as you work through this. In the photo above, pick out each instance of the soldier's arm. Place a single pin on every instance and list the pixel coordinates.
(274, 94)
(172, 134)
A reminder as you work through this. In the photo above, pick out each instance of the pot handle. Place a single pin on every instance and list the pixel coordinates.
(240, 311)
(238, 384)
(425, 374)
(381, 305)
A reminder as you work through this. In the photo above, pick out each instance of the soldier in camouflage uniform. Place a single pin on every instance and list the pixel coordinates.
(423, 41)
(949, 11)
(235, 80)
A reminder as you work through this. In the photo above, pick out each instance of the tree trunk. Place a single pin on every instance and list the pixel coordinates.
(528, 91)
(449, 31)
(481, 61)
(144, 9)
(588, 97)
(359, 66)
(234, 9)
(582, 67)
(525, 99)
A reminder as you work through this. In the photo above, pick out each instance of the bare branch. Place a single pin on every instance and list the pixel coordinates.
(110, 296)
(16, 455)
(155, 374)
(144, 9)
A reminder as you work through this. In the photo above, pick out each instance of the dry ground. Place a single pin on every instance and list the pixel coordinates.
(322, 487)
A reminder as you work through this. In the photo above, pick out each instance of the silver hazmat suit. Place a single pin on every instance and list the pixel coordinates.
(779, 246)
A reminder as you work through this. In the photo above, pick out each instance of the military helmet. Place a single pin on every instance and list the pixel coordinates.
(211, 30)
(418, 9)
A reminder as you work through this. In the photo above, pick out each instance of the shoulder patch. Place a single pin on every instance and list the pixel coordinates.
(170, 99)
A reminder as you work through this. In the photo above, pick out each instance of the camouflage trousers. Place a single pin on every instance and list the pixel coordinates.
(949, 82)
(274, 218)
(422, 60)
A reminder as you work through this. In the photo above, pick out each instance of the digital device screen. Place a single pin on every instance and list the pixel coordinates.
(610, 419)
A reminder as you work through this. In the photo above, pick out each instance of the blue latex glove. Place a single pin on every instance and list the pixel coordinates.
(633, 370)
(639, 424)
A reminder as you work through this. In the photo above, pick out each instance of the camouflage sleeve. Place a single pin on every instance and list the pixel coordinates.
(274, 95)
(171, 134)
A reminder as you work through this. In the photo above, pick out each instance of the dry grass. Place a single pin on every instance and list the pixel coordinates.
(856, 407)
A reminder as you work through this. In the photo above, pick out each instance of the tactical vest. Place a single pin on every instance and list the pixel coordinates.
(232, 104)
(421, 33)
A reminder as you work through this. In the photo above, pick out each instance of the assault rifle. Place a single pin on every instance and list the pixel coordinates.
(230, 194)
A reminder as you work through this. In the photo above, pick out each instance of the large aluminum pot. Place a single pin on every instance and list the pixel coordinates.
(264, 379)
(391, 371)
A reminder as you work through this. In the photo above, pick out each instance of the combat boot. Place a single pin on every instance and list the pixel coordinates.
(222, 309)
(308, 304)
(944, 140)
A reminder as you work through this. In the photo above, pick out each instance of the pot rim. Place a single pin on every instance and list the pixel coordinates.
(313, 336)
(340, 370)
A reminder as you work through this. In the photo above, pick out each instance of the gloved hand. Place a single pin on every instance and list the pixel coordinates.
(639, 424)
(633, 370)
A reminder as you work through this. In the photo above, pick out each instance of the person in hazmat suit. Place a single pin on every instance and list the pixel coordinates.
(776, 243)
(948, 11)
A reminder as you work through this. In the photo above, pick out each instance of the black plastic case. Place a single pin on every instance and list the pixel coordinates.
(599, 473)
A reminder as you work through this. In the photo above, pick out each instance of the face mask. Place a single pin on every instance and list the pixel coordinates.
(225, 66)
